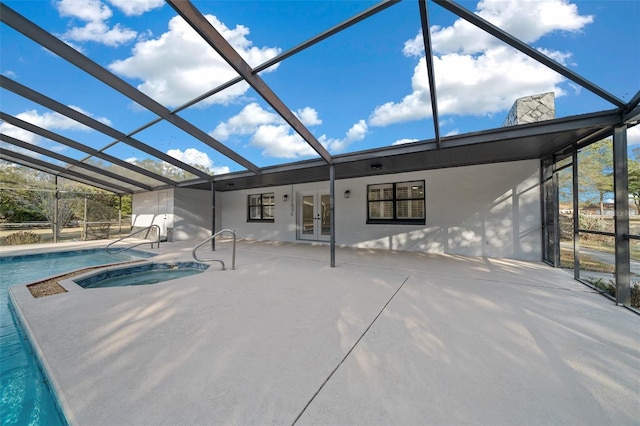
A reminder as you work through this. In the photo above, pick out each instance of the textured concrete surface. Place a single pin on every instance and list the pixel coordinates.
(383, 338)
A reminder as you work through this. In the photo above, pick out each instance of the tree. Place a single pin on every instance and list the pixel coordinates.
(17, 202)
(46, 203)
(127, 205)
(634, 178)
(30, 195)
(595, 172)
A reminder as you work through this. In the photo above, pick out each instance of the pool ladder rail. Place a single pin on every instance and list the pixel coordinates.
(139, 231)
(233, 251)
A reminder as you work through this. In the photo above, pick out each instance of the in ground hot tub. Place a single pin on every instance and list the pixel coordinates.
(149, 273)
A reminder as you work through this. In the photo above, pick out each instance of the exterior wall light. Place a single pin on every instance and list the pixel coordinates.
(347, 194)
(285, 198)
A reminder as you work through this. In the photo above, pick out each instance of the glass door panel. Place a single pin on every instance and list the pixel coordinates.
(308, 217)
(314, 217)
(325, 215)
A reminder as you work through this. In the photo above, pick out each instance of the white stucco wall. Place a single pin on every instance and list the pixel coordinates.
(486, 210)
(153, 208)
(181, 213)
(191, 214)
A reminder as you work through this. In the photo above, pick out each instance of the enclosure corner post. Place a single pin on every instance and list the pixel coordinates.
(332, 201)
(56, 196)
(621, 194)
(213, 213)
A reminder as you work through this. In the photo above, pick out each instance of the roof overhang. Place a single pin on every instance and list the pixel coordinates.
(523, 142)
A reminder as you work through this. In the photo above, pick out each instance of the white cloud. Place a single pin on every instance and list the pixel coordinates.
(633, 135)
(487, 84)
(95, 14)
(475, 73)
(563, 58)
(23, 151)
(245, 122)
(414, 46)
(19, 133)
(191, 156)
(356, 133)
(220, 170)
(308, 116)
(194, 157)
(527, 20)
(100, 32)
(87, 10)
(452, 132)
(179, 65)
(136, 7)
(404, 141)
(280, 142)
(59, 148)
(269, 132)
(51, 121)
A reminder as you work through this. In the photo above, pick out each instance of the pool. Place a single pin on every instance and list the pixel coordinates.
(25, 398)
(149, 273)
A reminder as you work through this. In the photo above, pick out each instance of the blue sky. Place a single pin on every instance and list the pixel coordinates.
(363, 88)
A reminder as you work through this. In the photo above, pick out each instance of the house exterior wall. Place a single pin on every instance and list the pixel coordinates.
(154, 208)
(191, 214)
(488, 210)
(181, 213)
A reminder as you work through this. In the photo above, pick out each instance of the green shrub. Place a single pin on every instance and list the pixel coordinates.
(603, 286)
(635, 295)
(22, 237)
(592, 223)
(610, 288)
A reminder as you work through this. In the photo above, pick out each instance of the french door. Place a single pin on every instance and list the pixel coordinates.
(314, 216)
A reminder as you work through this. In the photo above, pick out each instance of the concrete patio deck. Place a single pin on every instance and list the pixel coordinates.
(383, 338)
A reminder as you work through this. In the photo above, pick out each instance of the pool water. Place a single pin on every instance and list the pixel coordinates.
(25, 398)
(150, 273)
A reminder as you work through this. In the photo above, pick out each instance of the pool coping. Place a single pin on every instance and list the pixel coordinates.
(141, 266)
(16, 294)
(20, 293)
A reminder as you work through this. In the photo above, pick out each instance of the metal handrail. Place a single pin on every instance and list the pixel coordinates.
(233, 252)
(148, 228)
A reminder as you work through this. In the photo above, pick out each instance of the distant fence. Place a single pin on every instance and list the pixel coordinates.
(24, 226)
(73, 231)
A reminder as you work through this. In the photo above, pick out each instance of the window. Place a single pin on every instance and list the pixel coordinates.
(261, 207)
(396, 203)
